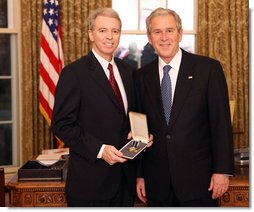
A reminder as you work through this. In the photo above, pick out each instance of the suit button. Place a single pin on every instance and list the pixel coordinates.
(168, 138)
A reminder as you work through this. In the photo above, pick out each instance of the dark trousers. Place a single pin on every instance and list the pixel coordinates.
(173, 201)
(177, 203)
(123, 198)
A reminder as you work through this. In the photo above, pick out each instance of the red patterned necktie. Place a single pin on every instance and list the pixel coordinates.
(115, 87)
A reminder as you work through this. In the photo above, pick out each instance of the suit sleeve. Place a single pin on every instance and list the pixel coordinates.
(220, 123)
(138, 108)
(65, 115)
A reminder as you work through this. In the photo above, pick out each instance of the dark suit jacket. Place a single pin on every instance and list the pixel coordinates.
(198, 140)
(85, 116)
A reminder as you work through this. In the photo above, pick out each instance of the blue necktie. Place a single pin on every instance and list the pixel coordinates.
(166, 92)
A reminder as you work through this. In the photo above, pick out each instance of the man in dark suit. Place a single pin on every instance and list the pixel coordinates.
(92, 120)
(191, 158)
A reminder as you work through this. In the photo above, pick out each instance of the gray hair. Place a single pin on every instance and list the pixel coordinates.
(162, 11)
(106, 12)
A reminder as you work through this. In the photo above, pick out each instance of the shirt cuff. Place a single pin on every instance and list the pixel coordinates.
(101, 151)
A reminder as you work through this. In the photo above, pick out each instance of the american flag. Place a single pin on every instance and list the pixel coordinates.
(51, 58)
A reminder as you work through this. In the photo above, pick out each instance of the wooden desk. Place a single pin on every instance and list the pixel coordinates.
(36, 194)
(51, 194)
(238, 192)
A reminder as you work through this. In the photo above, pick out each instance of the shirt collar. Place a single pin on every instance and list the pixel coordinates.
(104, 63)
(174, 63)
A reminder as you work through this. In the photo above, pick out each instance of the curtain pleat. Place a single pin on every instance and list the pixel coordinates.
(223, 34)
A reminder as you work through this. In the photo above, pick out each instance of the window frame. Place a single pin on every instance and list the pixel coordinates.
(185, 32)
(13, 29)
(188, 32)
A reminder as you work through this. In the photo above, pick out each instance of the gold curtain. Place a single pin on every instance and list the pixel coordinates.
(223, 34)
(35, 133)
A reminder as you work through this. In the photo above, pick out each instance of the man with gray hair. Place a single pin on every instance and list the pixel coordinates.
(93, 97)
(185, 98)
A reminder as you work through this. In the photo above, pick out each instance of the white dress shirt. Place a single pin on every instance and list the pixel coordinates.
(173, 72)
(104, 63)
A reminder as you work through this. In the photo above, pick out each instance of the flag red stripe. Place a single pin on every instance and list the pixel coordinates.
(45, 105)
(60, 61)
(46, 78)
(51, 56)
(60, 65)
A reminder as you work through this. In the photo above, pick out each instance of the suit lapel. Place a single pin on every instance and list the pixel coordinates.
(183, 85)
(152, 84)
(124, 76)
(98, 75)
